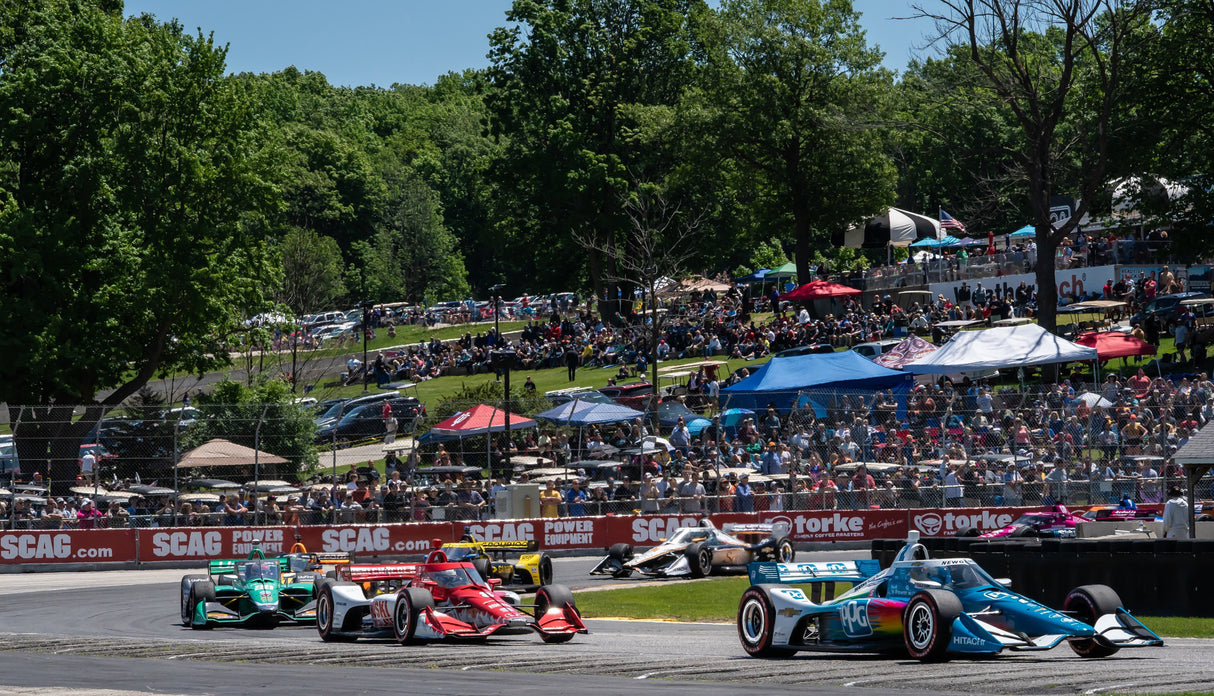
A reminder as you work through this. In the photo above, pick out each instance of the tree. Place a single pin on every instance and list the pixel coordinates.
(1058, 66)
(565, 97)
(660, 241)
(311, 271)
(799, 98)
(131, 200)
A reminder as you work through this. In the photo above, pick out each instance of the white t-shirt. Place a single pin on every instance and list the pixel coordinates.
(88, 462)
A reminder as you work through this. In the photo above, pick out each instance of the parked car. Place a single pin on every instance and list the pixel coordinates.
(669, 413)
(561, 396)
(332, 410)
(811, 349)
(636, 395)
(1166, 308)
(875, 348)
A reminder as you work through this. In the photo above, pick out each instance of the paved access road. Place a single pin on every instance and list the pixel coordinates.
(67, 629)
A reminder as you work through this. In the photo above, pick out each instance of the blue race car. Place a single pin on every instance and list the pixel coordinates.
(933, 609)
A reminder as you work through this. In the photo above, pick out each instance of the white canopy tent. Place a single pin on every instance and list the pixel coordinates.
(1003, 346)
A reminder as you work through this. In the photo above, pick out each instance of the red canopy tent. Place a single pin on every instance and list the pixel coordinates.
(479, 420)
(818, 290)
(1114, 344)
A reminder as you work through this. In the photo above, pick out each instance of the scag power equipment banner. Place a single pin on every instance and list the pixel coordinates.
(368, 541)
(68, 546)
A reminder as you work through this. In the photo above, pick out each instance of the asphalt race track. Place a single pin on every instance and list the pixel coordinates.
(118, 633)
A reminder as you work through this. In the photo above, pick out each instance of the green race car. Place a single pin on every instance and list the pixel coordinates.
(253, 591)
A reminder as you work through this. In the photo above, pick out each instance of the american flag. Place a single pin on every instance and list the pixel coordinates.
(948, 222)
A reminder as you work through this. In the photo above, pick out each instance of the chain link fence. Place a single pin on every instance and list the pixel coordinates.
(336, 462)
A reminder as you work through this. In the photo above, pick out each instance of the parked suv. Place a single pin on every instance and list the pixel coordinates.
(876, 348)
(811, 349)
(367, 421)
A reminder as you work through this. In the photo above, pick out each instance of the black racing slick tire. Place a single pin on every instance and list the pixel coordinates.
(544, 568)
(550, 596)
(927, 624)
(699, 560)
(484, 567)
(1088, 603)
(187, 607)
(967, 532)
(325, 616)
(202, 592)
(757, 623)
(620, 554)
(409, 607)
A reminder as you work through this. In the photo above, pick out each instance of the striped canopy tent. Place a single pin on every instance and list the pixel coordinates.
(894, 227)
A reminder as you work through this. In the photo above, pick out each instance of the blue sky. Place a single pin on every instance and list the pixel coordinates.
(363, 42)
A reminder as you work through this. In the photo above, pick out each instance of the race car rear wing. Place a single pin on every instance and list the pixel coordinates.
(374, 572)
(775, 529)
(227, 566)
(519, 545)
(833, 571)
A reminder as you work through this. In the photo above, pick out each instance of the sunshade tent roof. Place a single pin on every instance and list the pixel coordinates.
(582, 413)
(1003, 346)
(478, 420)
(907, 351)
(1114, 344)
(894, 227)
(818, 290)
(781, 380)
(220, 452)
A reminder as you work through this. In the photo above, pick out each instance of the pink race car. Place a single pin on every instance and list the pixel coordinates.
(1054, 522)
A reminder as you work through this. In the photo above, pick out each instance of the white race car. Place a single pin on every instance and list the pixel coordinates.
(701, 551)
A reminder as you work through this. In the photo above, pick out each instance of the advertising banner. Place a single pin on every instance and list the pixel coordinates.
(201, 544)
(1070, 282)
(949, 521)
(68, 546)
(558, 533)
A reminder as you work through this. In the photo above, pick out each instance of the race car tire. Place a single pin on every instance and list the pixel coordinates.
(202, 592)
(332, 574)
(1022, 533)
(927, 624)
(483, 567)
(545, 570)
(550, 596)
(409, 607)
(621, 554)
(325, 616)
(1088, 603)
(320, 584)
(187, 607)
(967, 532)
(756, 623)
(699, 559)
(785, 553)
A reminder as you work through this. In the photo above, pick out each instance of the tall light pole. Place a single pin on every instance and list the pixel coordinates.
(502, 358)
(366, 307)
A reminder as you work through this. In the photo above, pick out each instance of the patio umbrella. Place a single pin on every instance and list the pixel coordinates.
(652, 443)
(1093, 400)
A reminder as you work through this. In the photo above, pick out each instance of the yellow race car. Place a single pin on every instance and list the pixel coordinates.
(531, 570)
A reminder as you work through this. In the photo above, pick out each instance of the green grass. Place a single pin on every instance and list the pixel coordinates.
(702, 600)
(716, 599)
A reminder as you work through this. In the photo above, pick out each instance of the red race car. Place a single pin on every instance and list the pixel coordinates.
(434, 600)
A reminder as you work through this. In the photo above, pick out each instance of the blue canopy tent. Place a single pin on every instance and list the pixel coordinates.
(584, 413)
(825, 376)
(1026, 231)
(946, 241)
(756, 277)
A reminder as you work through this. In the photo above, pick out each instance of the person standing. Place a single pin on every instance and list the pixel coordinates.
(744, 496)
(1176, 515)
(571, 360)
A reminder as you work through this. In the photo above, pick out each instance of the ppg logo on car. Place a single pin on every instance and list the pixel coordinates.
(854, 616)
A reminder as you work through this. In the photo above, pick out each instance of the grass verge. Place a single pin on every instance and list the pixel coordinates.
(716, 599)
